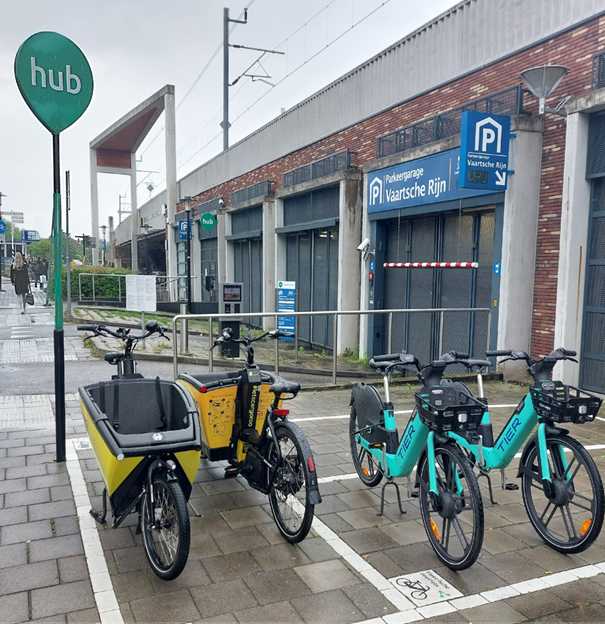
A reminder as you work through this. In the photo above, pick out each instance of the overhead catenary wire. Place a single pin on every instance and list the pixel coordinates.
(271, 86)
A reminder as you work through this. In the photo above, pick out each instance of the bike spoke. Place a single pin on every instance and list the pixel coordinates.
(460, 533)
(445, 540)
(568, 522)
(548, 505)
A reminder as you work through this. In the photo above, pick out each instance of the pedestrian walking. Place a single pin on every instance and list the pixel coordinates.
(20, 279)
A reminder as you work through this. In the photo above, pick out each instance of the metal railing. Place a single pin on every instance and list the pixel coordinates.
(184, 318)
(447, 124)
(260, 189)
(162, 285)
(597, 80)
(319, 168)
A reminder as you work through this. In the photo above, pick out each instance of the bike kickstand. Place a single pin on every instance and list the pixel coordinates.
(489, 485)
(390, 481)
(98, 516)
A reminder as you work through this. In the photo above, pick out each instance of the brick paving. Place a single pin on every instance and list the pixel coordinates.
(239, 567)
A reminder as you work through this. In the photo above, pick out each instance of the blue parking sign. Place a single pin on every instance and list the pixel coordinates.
(484, 145)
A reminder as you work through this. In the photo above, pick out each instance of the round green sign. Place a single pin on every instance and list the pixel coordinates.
(208, 221)
(54, 78)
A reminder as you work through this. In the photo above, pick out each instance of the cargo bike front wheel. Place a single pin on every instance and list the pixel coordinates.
(165, 527)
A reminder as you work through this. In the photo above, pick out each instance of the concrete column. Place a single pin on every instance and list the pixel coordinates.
(364, 291)
(112, 242)
(134, 215)
(269, 249)
(575, 217)
(519, 237)
(94, 203)
(196, 263)
(171, 189)
(349, 237)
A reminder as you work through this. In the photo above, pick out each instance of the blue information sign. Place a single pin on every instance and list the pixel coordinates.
(3, 227)
(484, 143)
(423, 181)
(30, 236)
(183, 229)
(286, 302)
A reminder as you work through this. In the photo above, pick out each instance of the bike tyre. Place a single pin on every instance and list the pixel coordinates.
(530, 473)
(370, 474)
(167, 559)
(289, 496)
(446, 455)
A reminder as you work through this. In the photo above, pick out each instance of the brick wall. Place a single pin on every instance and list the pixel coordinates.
(573, 49)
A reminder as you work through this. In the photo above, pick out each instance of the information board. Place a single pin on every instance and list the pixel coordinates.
(141, 293)
(286, 302)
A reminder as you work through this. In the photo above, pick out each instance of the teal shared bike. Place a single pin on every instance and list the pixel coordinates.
(560, 483)
(449, 497)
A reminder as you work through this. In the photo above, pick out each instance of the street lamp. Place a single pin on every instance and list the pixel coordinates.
(542, 81)
(104, 228)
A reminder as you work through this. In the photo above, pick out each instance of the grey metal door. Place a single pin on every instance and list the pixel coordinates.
(592, 363)
(249, 271)
(466, 237)
(312, 262)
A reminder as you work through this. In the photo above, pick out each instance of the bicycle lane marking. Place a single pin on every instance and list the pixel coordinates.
(102, 586)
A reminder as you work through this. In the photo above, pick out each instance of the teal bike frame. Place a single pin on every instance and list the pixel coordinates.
(516, 431)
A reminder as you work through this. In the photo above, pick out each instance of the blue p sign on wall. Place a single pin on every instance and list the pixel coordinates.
(484, 143)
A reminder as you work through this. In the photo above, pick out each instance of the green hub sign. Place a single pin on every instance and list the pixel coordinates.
(208, 221)
(54, 78)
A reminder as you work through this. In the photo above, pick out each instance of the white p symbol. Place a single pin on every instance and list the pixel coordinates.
(487, 136)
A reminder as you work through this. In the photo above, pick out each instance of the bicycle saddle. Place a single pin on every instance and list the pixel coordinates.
(283, 386)
(114, 357)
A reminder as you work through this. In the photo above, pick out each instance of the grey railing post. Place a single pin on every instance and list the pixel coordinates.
(119, 289)
(390, 332)
(175, 359)
(80, 287)
(184, 336)
(94, 298)
(440, 334)
(210, 345)
(276, 367)
(334, 348)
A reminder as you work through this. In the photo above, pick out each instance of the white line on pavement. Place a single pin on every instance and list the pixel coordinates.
(105, 597)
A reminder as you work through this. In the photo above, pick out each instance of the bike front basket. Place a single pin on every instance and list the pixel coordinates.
(564, 404)
(444, 408)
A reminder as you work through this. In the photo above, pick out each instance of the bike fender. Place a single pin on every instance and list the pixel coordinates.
(314, 496)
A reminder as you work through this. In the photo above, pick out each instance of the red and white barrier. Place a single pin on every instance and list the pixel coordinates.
(431, 265)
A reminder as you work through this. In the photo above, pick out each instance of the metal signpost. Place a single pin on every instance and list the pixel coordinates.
(484, 144)
(56, 82)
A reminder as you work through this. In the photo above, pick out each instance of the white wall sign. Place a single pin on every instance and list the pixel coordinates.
(141, 293)
(425, 588)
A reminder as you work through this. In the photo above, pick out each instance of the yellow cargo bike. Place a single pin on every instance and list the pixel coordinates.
(244, 423)
(145, 434)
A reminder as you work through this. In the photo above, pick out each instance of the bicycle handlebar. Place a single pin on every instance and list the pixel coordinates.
(539, 369)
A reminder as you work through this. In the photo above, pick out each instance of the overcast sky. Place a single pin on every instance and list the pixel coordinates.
(135, 47)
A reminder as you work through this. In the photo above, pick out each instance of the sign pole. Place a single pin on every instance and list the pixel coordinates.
(50, 58)
(59, 342)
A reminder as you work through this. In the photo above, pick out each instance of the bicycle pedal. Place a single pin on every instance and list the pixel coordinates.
(415, 494)
(231, 472)
(511, 486)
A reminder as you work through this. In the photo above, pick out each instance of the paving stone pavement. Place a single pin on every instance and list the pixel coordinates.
(241, 570)
(58, 565)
